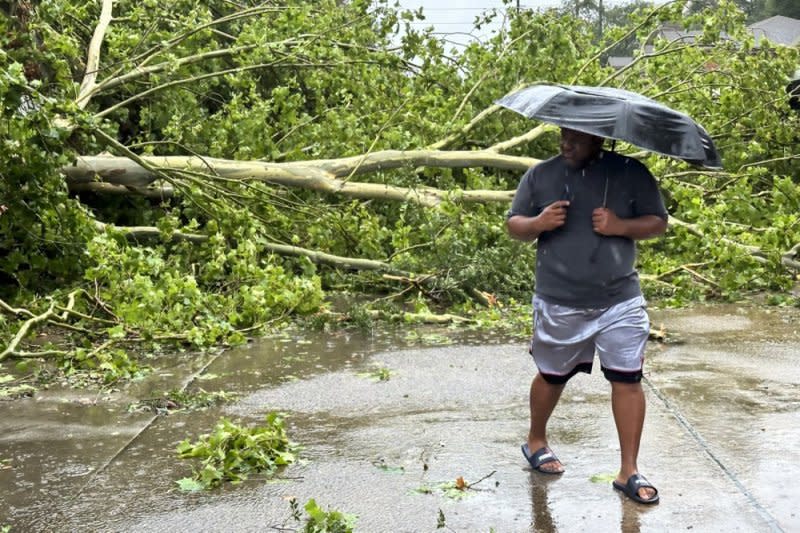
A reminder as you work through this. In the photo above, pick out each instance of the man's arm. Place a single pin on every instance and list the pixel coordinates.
(529, 228)
(605, 222)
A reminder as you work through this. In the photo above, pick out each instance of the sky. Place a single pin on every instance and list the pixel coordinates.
(455, 17)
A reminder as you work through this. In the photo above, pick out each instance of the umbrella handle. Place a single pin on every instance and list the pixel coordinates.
(593, 255)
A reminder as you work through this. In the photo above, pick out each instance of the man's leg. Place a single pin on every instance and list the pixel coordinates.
(543, 399)
(628, 405)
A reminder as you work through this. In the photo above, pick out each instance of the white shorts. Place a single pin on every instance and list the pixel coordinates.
(565, 340)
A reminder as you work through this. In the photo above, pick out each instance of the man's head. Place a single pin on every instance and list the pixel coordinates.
(579, 148)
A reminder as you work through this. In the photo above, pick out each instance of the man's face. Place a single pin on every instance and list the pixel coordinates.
(578, 147)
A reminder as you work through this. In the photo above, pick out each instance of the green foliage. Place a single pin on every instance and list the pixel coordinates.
(209, 292)
(43, 232)
(454, 490)
(603, 477)
(321, 521)
(232, 452)
(329, 79)
(106, 366)
(441, 520)
(359, 317)
(787, 8)
(378, 374)
(11, 389)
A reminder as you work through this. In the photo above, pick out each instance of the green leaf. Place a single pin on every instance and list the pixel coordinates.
(189, 485)
(602, 478)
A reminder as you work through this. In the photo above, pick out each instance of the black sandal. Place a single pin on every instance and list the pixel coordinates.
(540, 457)
(631, 489)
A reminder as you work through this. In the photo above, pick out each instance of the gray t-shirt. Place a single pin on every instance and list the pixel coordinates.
(574, 265)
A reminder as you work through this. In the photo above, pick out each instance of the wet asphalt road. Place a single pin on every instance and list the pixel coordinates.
(721, 439)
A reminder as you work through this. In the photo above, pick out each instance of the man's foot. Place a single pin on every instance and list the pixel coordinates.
(542, 460)
(637, 488)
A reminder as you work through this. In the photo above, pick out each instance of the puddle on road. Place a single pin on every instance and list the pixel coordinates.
(729, 322)
(55, 447)
(444, 412)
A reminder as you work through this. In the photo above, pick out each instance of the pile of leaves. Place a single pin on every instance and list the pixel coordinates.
(231, 453)
(321, 521)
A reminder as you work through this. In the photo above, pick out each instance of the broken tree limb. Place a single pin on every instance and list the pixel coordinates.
(326, 175)
(465, 129)
(529, 136)
(318, 175)
(142, 71)
(22, 312)
(123, 171)
(789, 258)
(39, 355)
(93, 56)
(17, 311)
(23, 331)
(150, 232)
(90, 87)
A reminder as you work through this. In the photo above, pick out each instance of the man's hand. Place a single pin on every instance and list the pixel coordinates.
(605, 222)
(529, 228)
(553, 216)
(3, 209)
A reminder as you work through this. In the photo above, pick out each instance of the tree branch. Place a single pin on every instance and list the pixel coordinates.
(531, 135)
(154, 51)
(319, 175)
(23, 331)
(789, 258)
(156, 193)
(139, 72)
(93, 55)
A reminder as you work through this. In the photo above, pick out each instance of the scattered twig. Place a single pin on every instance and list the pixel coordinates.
(37, 355)
(700, 276)
(471, 485)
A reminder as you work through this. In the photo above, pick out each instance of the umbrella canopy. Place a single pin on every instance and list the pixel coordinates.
(617, 114)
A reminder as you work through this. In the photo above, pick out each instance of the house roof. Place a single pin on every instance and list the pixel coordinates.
(676, 34)
(619, 61)
(778, 29)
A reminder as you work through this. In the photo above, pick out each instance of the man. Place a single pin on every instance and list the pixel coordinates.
(586, 208)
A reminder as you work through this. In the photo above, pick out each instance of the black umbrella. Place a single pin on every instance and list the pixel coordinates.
(617, 114)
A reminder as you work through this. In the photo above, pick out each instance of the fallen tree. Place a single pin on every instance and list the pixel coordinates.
(120, 175)
(201, 171)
